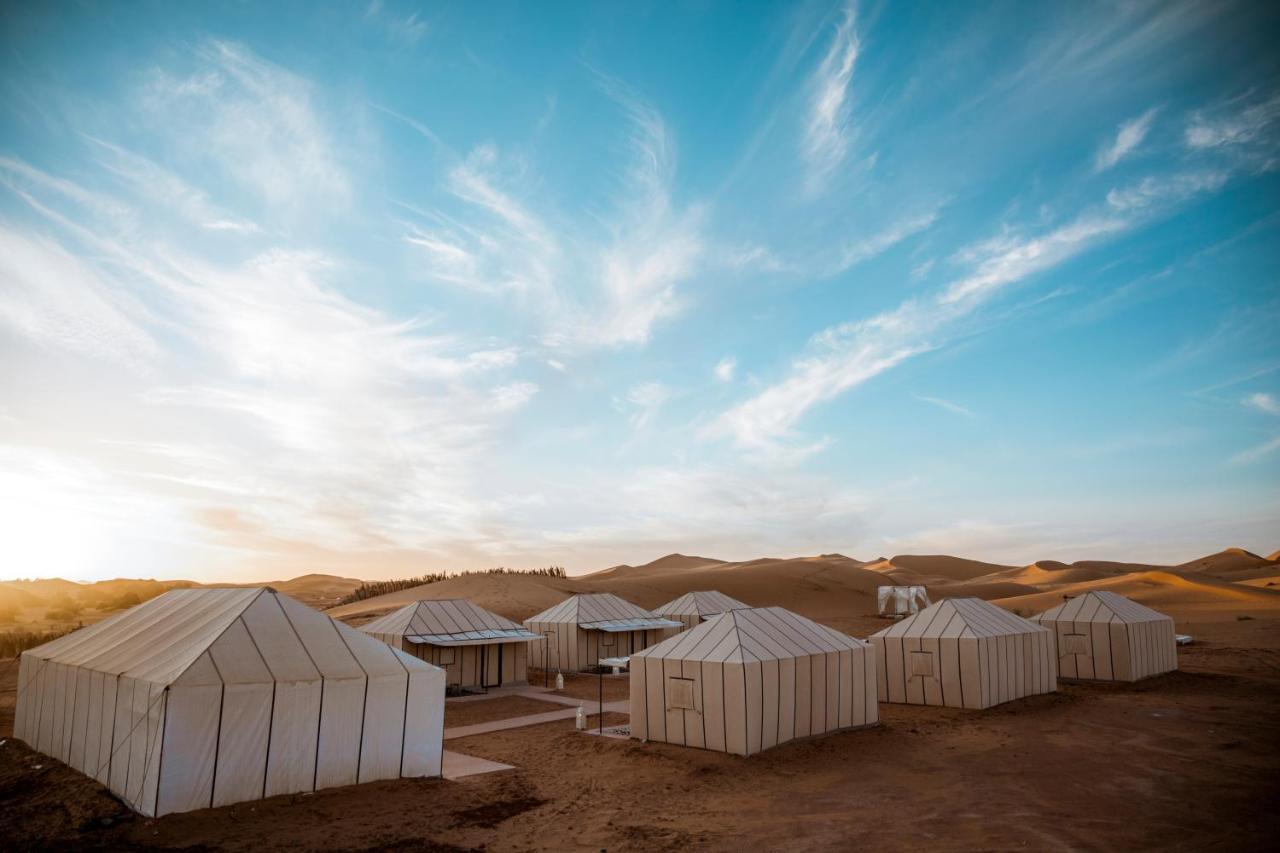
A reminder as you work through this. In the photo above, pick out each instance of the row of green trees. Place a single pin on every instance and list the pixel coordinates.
(372, 589)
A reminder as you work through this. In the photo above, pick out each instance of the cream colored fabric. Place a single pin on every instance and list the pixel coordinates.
(207, 697)
(694, 607)
(1103, 636)
(751, 679)
(570, 647)
(977, 654)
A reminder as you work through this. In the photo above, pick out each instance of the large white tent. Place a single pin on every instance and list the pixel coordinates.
(693, 608)
(206, 697)
(964, 653)
(748, 680)
(1102, 636)
(475, 647)
(583, 629)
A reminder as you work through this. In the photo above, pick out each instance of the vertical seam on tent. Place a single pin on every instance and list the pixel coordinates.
(128, 768)
(271, 725)
(111, 743)
(315, 768)
(960, 669)
(404, 728)
(316, 667)
(217, 741)
(164, 722)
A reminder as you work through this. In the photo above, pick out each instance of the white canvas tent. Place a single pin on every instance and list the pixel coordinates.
(901, 600)
(748, 680)
(475, 647)
(692, 608)
(206, 697)
(1102, 636)
(582, 629)
(964, 653)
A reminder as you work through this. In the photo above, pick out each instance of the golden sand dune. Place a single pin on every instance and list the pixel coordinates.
(1182, 597)
(938, 566)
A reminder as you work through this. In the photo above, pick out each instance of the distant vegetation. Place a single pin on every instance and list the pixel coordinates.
(372, 589)
(14, 643)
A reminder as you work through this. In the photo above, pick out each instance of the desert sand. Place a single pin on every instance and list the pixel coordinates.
(1186, 761)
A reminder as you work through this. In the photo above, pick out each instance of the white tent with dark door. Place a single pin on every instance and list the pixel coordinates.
(964, 653)
(748, 680)
(475, 647)
(1102, 636)
(207, 697)
(583, 629)
(693, 608)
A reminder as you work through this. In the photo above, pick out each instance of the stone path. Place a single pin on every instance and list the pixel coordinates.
(459, 766)
(535, 719)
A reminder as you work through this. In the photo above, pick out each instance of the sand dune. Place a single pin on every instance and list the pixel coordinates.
(512, 595)
(1182, 597)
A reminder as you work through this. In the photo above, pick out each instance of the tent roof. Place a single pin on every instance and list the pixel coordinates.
(252, 634)
(587, 608)
(439, 617)
(701, 603)
(961, 617)
(1101, 606)
(756, 633)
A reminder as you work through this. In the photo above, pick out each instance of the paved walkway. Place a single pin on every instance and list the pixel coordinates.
(535, 719)
(459, 766)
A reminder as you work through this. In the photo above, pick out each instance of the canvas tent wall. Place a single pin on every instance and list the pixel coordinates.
(475, 648)
(206, 697)
(901, 600)
(582, 629)
(692, 608)
(964, 653)
(1102, 636)
(748, 680)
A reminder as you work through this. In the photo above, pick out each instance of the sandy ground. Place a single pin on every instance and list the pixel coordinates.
(1187, 761)
(498, 708)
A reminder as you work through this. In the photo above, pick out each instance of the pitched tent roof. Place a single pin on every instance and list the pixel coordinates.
(705, 603)
(448, 622)
(160, 640)
(602, 611)
(757, 633)
(1101, 606)
(961, 617)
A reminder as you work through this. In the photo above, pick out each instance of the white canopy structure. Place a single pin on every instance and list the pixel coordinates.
(901, 600)
(475, 647)
(582, 629)
(693, 608)
(748, 680)
(964, 653)
(206, 697)
(1103, 636)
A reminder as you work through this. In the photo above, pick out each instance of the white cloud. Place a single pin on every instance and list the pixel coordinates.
(847, 355)
(1230, 124)
(1263, 403)
(54, 299)
(1128, 137)
(725, 367)
(868, 247)
(408, 29)
(1256, 454)
(827, 128)
(1165, 189)
(257, 121)
(955, 408)
(644, 401)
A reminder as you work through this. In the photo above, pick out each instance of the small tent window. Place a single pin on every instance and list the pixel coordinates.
(922, 664)
(445, 656)
(680, 693)
(1075, 644)
(607, 639)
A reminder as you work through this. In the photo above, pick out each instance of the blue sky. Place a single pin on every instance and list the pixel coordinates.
(390, 287)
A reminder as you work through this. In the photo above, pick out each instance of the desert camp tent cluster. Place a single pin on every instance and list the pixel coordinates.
(964, 653)
(694, 607)
(206, 697)
(582, 629)
(751, 679)
(1102, 636)
(475, 647)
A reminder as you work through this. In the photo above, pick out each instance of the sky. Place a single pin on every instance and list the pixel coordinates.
(393, 287)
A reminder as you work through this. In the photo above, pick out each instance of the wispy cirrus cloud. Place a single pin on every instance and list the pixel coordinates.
(954, 408)
(1263, 402)
(1238, 121)
(863, 249)
(828, 126)
(725, 368)
(1128, 137)
(257, 123)
(847, 355)
(1258, 453)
